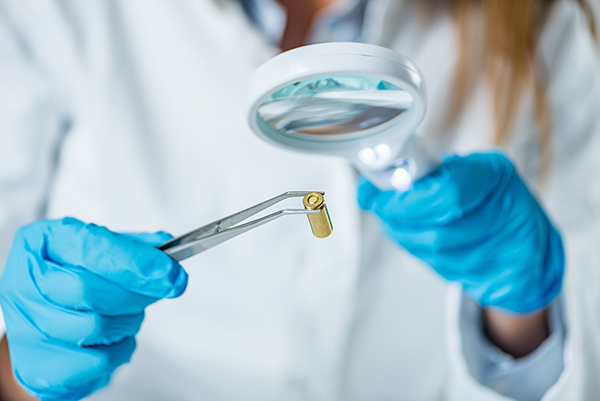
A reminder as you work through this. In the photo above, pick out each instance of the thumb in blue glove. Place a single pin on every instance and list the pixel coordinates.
(475, 222)
(73, 297)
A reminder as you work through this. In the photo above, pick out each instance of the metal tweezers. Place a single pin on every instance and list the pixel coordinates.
(222, 230)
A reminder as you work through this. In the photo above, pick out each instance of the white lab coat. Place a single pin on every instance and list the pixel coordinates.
(141, 102)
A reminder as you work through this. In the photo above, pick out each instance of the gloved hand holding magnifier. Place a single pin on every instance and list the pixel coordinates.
(473, 219)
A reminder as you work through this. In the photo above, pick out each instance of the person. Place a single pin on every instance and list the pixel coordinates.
(130, 115)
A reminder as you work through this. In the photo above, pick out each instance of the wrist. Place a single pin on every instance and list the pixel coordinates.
(10, 389)
(515, 335)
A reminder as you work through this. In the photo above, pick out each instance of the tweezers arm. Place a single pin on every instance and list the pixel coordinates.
(186, 250)
(229, 221)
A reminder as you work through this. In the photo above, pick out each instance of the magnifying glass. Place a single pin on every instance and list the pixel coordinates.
(358, 101)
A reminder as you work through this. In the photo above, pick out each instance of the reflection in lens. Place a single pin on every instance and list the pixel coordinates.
(383, 150)
(367, 155)
(335, 105)
(401, 179)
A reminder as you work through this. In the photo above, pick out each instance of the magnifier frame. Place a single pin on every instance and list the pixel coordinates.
(331, 60)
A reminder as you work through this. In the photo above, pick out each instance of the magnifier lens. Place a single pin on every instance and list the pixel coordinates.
(334, 105)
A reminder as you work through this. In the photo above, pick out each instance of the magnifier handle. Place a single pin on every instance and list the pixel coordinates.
(414, 160)
(424, 157)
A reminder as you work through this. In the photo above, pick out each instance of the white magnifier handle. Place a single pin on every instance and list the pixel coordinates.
(413, 161)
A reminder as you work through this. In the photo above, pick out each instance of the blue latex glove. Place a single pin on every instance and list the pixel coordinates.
(73, 297)
(474, 221)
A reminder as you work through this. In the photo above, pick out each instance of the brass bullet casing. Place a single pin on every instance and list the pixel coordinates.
(320, 223)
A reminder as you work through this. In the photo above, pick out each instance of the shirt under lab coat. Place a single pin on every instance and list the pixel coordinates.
(130, 114)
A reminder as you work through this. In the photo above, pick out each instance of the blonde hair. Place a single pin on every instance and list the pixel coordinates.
(509, 33)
